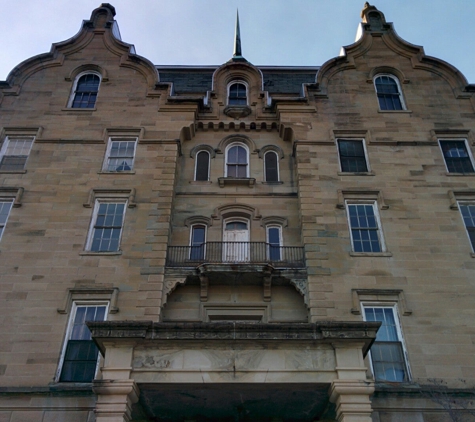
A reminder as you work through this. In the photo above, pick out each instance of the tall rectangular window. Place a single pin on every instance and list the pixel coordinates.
(271, 164)
(202, 166)
(274, 240)
(79, 360)
(387, 352)
(14, 153)
(106, 228)
(120, 155)
(468, 215)
(5, 208)
(365, 228)
(352, 156)
(198, 239)
(457, 156)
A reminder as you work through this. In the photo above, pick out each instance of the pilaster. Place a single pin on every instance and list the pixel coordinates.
(115, 399)
(352, 400)
(351, 391)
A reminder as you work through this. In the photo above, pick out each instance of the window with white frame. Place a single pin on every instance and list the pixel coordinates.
(237, 160)
(5, 208)
(106, 228)
(271, 166)
(457, 156)
(352, 156)
(80, 355)
(120, 155)
(85, 90)
(197, 242)
(468, 215)
(202, 166)
(237, 94)
(388, 356)
(274, 242)
(389, 93)
(14, 153)
(365, 227)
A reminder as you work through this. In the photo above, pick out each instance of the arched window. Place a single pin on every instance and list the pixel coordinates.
(274, 241)
(237, 160)
(197, 242)
(237, 94)
(388, 92)
(85, 91)
(202, 166)
(271, 166)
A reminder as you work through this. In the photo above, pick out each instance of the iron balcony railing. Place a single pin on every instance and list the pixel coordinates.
(235, 252)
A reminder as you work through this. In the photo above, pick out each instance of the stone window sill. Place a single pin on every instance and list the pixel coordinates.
(395, 111)
(80, 110)
(12, 171)
(375, 254)
(460, 174)
(200, 182)
(236, 181)
(90, 253)
(116, 172)
(356, 173)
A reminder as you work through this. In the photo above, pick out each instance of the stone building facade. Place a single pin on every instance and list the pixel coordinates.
(244, 243)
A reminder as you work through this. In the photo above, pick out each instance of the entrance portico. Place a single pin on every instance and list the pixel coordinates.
(230, 371)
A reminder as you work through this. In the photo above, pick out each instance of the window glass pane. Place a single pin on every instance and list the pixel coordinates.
(5, 208)
(86, 91)
(107, 228)
(202, 166)
(274, 235)
(388, 93)
(468, 216)
(456, 157)
(364, 228)
(121, 156)
(352, 157)
(80, 359)
(236, 225)
(386, 353)
(271, 165)
(197, 242)
(198, 236)
(16, 154)
(237, 94)
(236, 161)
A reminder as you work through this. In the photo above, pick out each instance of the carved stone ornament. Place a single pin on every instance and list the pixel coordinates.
(237, 112)
(301, 285)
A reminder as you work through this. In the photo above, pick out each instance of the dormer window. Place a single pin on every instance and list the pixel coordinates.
(237, 94)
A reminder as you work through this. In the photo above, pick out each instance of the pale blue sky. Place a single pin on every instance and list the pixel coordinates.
(274, 32)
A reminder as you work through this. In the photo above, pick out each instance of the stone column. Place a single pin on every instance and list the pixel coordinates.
(351, 392)
(115, 399)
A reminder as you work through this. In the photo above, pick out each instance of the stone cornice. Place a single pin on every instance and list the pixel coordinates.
(148, 331)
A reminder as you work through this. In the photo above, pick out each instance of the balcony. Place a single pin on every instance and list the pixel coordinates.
(236, 253)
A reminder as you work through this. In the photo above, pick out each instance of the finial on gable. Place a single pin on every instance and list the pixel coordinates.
(373, 17)
(103, 14)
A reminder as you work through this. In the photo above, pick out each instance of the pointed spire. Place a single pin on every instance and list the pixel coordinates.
(237, 38)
